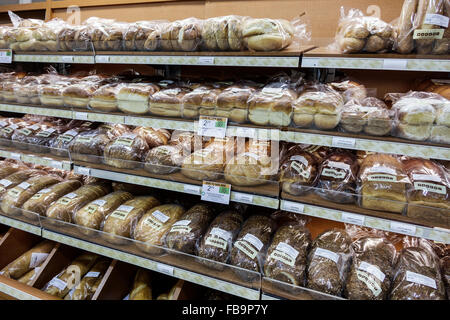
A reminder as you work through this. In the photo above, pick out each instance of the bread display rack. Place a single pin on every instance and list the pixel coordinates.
(176, 264)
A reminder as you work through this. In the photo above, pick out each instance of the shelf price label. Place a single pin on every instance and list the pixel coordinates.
(352, 218)
(189, 188)
(212, 126)
(216, 192)
(206, 60)
(102, 59)
(81, 115)
(403, 228)
(6, 56)
(83, 170)
(243, 197)
(67, 59)
(56, 164)
(341, 142)
(397, 64)
(293, 206)
(15, 156)
(163, 268)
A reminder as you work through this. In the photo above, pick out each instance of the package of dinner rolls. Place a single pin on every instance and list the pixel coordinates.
(417, 274)
(423, 27)
(359, 33)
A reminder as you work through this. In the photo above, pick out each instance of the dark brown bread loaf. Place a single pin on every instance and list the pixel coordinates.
(218, 239)
(328, 262)
(126, 151)
(417, 276)
(185, 233)
(252, 242)
(89, 146)
(371, 270)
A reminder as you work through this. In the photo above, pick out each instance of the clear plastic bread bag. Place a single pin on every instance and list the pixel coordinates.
(373, 260)
(104, 99)
(185, 233)
(126, 151)
(328, 262)
(264, 34)
(417, 273)
(286, 256)
(337, 177)
(164, 159)
(182, 35)
(359, 33)
(223, 33)
(217, 241)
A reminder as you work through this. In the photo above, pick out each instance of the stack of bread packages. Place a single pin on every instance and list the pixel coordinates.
(423, 27)
(358, 33)
(422, 116)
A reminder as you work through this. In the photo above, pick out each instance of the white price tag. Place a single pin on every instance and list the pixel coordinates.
(341, 142)
(395, 64)
(165, 269)
(84, 171)
(212, 126)
(293, 206)
(353, 218)
(56, 164)
(102, 59)
(15, 156)
(206, 60)
(5, 56)
(243, 197)
(246, 132)
(81, 116)
(436, 19)
(67, 58)
(92, 274)
(216, 192)
(189, 188)
(403, 228)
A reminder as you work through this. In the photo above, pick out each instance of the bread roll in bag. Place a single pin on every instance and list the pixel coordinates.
(66, 206)
(61, 284)
(27, 261)
(154, 224)
(40, 201)
(122, 221)
(17, 196)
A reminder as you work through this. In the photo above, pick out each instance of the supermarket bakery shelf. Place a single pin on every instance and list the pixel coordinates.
(54, 57)
(369, 218)
(280, 59)
(180, 273)
(129, 176)
(324, 58)
(367, 143)
(37, 159)
(22, 225)
(326, 138)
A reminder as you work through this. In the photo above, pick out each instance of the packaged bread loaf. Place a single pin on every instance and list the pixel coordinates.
(59, 146)
(254, 166)
(29, 260)
(89, 146)
(337, 177)
(272, 105)
(168, 102)
(92, 214)
(29, 277)
(164, 159)
(188, 229)
(122, 221)
(7, 169)
(359, 33)
(40, 141)
(382, 183)
(104, 98)
(21, 137)
(16, 178)
(62, 283)
(328, 262)
(267, 34)
(318, 105)
(372, 269)
(222, 33)
(41, 200)
(13, 200)
(287, 252)
(88, 285)
(125, 151)
(232, 102)
(64, 208)
(133, 98)
(430, 16)
(251, 243)
(141, 286)
(154, 137)
(152, 227)
(7, 132)
(417, 274)
(216, 243)
(428, 195)
(200, 101)
(298, 171)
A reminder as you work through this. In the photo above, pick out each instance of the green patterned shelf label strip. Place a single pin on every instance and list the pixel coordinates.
(16, 293)
(53, 58)
(21, 225)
